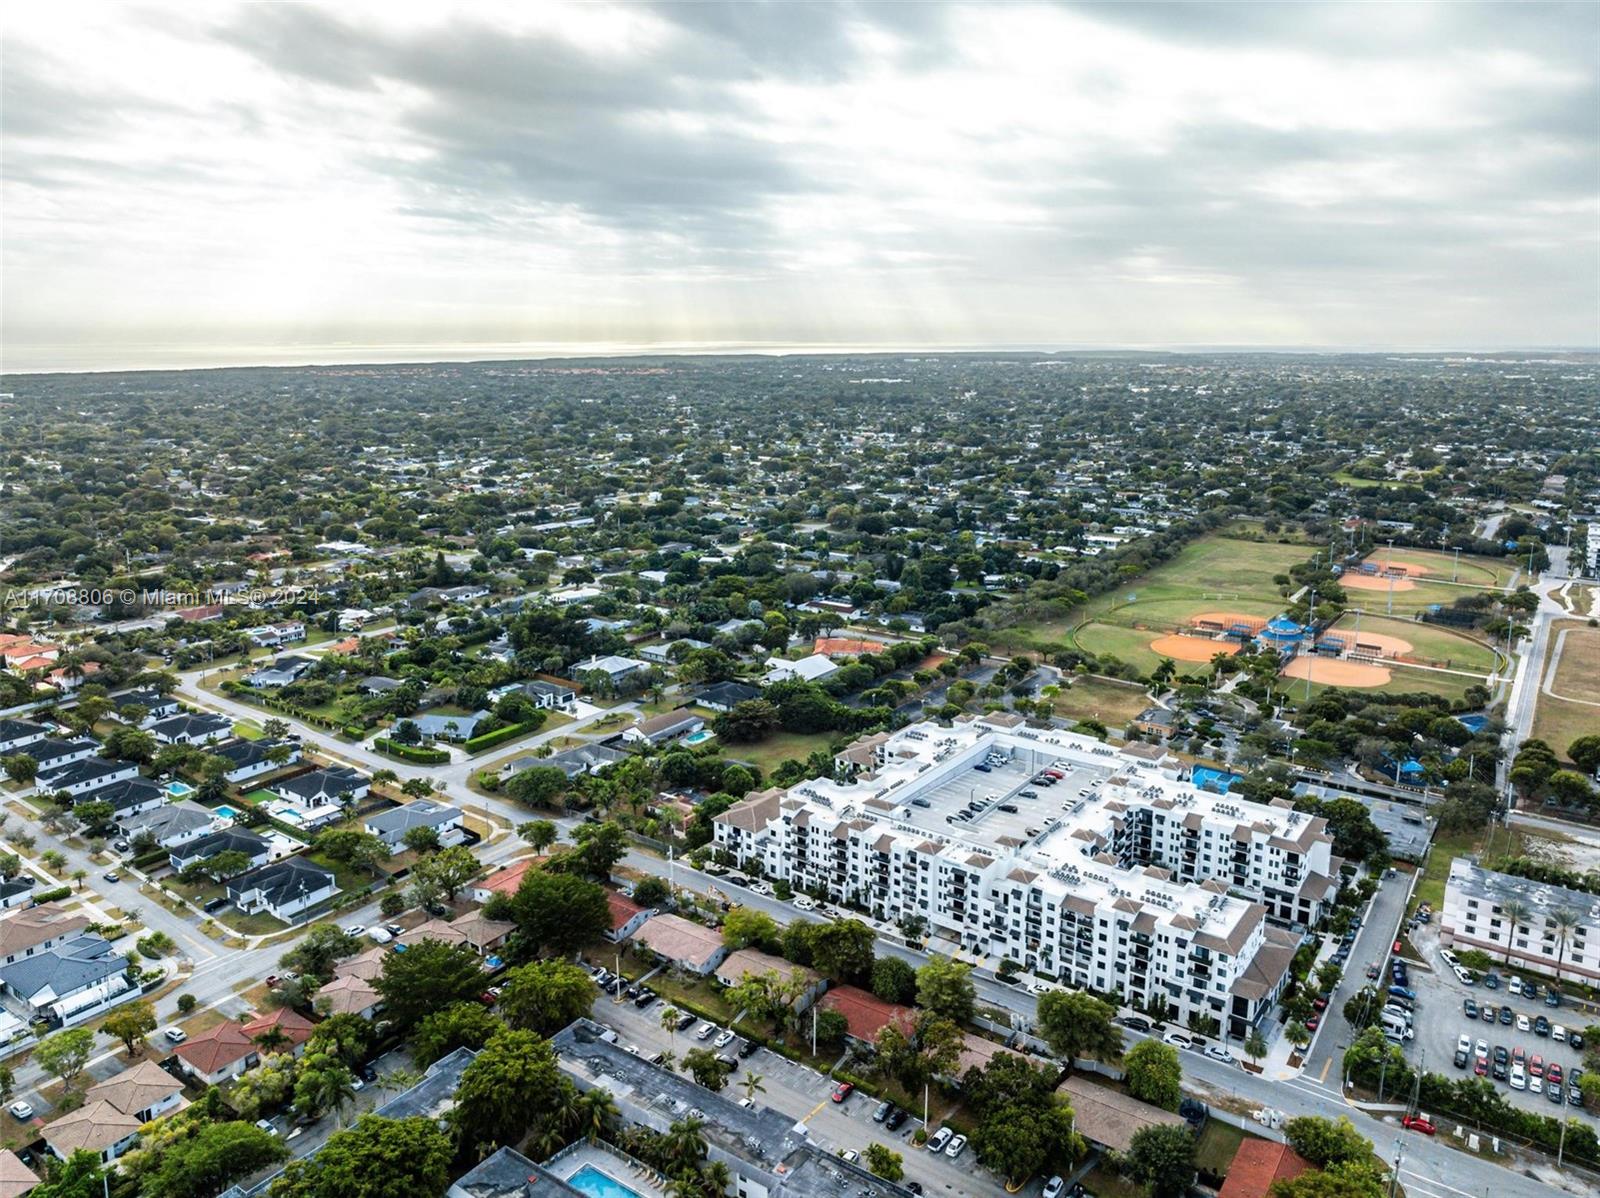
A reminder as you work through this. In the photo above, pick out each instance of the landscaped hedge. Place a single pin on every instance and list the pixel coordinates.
(50, 896)
(414, 753)
(500, 735)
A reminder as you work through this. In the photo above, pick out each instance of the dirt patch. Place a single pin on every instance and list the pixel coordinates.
(1337, 673)
(1371, 582)
(1225, 620)
(1191, 648)
(1374, 644)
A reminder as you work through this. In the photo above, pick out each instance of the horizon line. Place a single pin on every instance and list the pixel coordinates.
(342, 354)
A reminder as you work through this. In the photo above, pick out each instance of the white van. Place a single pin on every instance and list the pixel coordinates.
(1558, 1034)
(378, 936)
(1396, 1027)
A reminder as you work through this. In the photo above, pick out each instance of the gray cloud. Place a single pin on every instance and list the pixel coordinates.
(778, 145)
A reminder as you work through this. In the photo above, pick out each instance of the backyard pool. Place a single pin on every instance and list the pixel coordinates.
(227, 812)
(700, 737)
(599, 1184)
(288, 815)
(178, 789)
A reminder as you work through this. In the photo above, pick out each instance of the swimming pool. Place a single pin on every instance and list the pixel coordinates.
(227, 812)
(700, 737)
(288, 815)
(178, 789)
(599, 1184)
(1205, 778)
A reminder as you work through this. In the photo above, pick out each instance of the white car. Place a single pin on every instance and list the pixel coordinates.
(379, 935)
(1464, 1044)
(356, 929)
(1053, 1187)
(724, 1039)
(939, 1139)
(21, 1111)
(175, 1034)
(956, 1147)
(705, 1031)
(1217, 1053)
(804, 902)
(850, 1155)
(266, 1126)
(1483, 1050)
(1522, 1023)
(1519, 1078)
(1177, 1040)
(1535, 1084)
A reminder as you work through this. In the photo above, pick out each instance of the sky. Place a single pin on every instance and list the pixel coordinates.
(205, 183)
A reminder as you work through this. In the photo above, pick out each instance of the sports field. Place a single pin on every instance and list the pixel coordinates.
(1402, 680)
(1479, 571)
(1112, 703)
(1212, 574)
(1431, 644)
(1560, 721)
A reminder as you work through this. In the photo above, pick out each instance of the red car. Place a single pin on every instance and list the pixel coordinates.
(1373, 971)
(487, 999)
(1553, 1074)
(842, 1091)
(1536, 1066)
(1418, 1122)
(1313, 1022)
(1480, 1066)
(1397, 948)
(1319, 1004)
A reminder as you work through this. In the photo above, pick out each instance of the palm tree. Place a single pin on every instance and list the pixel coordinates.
(599, 1111)
(1255, 1046)
(752, 1085)
(684, 1144)
(272, 1039)
(715, 1179)
(330, 1088)
(1565, 919)
(1517, 912)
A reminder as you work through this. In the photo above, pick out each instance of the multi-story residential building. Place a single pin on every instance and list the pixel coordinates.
(1550, 929)
(1120, 876)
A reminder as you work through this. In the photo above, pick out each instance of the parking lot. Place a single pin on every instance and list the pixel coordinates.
(1441, 1021)
(807, 1095)
(948, 808)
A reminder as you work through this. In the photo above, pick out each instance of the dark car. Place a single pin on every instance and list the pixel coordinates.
(1575, 1039)
(882, 1111)
(1403, 992)
(1506, 1015)
(1469, 1008)
(1541, 1026)
(895, 1119)
(1553, 999)
(747, 1049)
(1462, 1056)
(1491, 981)
(684, 1020)
(368, 1073)
(1135, 1024)
(646, 997)
(1194, 1112)
(983, 769)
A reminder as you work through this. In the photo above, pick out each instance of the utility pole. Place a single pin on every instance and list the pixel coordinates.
(1455, 572)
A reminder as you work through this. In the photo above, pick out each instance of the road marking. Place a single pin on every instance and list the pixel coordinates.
(1323, 1076)
(1434, 1181)
(812, 1113)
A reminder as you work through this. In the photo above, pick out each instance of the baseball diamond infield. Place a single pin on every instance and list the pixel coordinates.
(1375, 582)
(1191, 648)
(1334, 672)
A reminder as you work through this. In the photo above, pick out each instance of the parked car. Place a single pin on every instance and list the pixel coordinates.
(956, 1147)
(267, 1126)
(882, 1111)
(1217, 1053)
(684, 1020)
(21, 1111)
(175, 1034)
(747, 1049)
(843, 1091)
(1418, 1122)
(723, 1039)
(1053, 1187)
(1177, 1040)
(896, 1118)
(1541, 1026)
(1469, 1008)
(939, 1139)
(112, 875)
(705, 1031)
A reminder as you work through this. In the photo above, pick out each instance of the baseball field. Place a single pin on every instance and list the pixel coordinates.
(1143, 621)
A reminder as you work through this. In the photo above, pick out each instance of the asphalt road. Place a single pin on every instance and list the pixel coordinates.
(1373, 943)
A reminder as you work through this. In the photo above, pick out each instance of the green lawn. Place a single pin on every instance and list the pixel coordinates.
(1213, 573)
(770, 753)
(1112, 703)
(1402, 681)
(1125, 644)
(1218, 1142)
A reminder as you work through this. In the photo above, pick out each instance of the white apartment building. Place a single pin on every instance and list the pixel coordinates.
(1121, 877)
(1522, 922)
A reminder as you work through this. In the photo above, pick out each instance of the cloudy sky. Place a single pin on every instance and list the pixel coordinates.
(203, 182)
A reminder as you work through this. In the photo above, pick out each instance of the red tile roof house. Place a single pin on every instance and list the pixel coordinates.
(502, 881)
(1259, 1163)
(627, 916)
(866, 1013)
(224, 1052)
(288, 1021)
